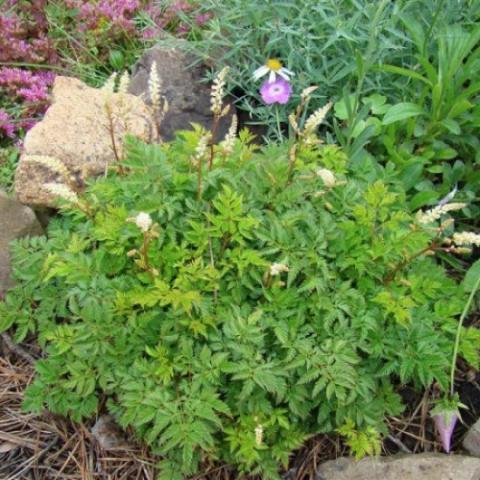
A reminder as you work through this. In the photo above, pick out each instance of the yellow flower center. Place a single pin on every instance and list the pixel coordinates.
(274, 64)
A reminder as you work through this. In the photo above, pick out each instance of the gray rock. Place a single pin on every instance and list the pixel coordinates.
(108, 434)
(182, 84)
(16, 221)
(471, 442)
(425, 466)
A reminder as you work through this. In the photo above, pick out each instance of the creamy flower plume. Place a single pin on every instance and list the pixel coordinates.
(316, 118)
(218, 92)
(109, 85)
(202, 146)
(435, 213)
(143, 221)
(154, 85)
(53, 164)
(327, 176)
(229, 140)
(466, 238)
(124, 82)
(62, 191)
(277, 269)
(259, 434)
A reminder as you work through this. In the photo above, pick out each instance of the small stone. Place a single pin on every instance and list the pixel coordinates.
(182, 84)
(16, 221)
(471, 442)
(108, 434)
(425, 466)
(76, 131)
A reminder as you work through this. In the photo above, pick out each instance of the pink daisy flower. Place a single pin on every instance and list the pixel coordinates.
(278, 91)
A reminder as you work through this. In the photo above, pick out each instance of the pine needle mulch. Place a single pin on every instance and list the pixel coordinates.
(50, 447)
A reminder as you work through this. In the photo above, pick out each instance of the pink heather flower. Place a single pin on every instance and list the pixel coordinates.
(7, 128)
(445, 423)
(202, 18)
(150, 33)
(182, 29)
(23, 33)
(278, 91)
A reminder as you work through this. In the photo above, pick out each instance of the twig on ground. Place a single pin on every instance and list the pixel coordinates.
(17, 349)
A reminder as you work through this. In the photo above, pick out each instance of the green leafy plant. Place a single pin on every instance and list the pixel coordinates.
(231, 320)
(8, 162)
(431, 135)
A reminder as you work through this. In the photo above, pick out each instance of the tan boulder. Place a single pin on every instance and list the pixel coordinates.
(77, 131)
(425, 466)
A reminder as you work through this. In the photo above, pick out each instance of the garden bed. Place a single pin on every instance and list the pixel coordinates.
(210, 304)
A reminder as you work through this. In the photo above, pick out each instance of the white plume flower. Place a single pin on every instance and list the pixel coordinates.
(154, 85)
(435, 213)
(327, 177)
(62, 191)
(218, 92)
(53, 164)
(259, 434)
(143, 221)
(466, 238)
(316, 118)
(124, 82)
(229, 140)
(109, 85)
(277, 269)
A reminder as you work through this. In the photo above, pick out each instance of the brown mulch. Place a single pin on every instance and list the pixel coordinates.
(50, 447)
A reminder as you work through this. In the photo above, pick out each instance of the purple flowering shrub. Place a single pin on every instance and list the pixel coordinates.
(88, 38)
(24, 96)
(24, 32)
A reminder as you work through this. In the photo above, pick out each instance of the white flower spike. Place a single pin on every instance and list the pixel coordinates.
(272, 67)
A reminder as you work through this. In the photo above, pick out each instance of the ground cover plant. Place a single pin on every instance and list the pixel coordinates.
(228, 303)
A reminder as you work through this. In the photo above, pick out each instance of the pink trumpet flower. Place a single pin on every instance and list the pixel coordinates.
(445, 423)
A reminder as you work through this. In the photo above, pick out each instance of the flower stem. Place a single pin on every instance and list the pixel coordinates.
(213, 135)
(466, 309)
(279, 127)
(199, 187)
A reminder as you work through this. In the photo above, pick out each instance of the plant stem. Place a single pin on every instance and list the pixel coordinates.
(466, 309)
(279, 128)
(199, 188)
(213, 134)
(402, 265)
(145, 251)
